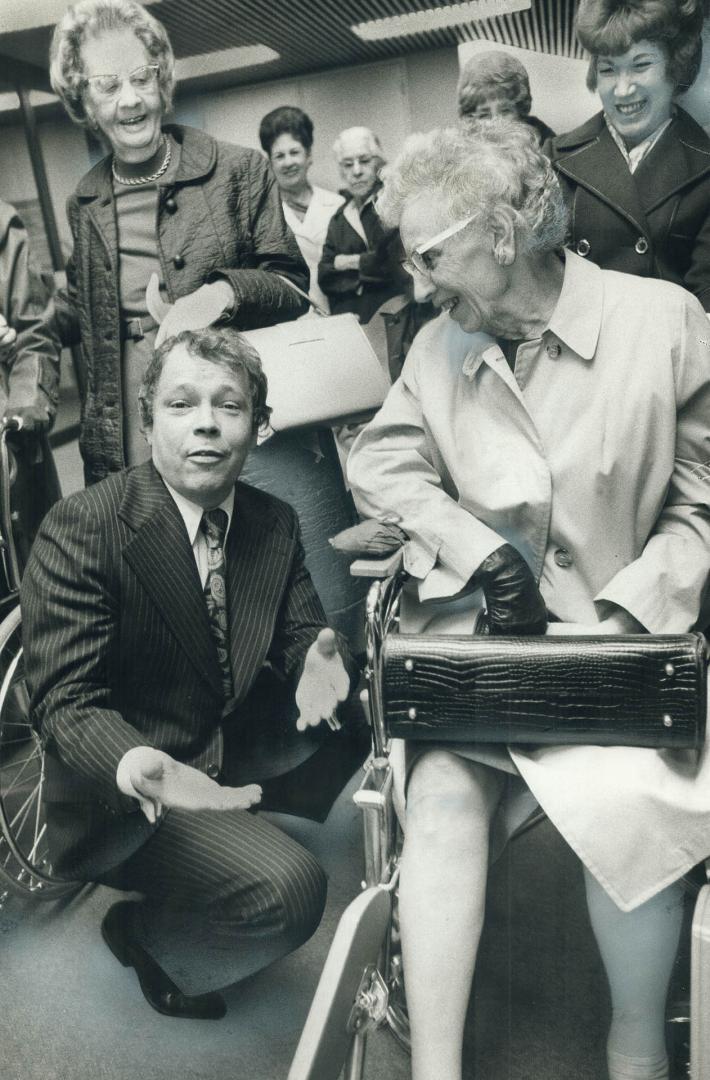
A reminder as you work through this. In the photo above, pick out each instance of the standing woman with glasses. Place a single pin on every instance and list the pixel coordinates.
(168, 201)
(359, 269)
(637, 175)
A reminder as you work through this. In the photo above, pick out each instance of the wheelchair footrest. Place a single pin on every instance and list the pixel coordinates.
(329, 1027)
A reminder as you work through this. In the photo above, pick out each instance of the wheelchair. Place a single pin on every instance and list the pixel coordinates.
(25, 867)
(361, 987)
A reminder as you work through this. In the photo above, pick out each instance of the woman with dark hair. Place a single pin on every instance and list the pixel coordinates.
(286, 137)
(637, 175)
(167, 201)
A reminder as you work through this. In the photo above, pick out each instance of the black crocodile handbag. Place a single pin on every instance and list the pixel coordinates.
(633, 690)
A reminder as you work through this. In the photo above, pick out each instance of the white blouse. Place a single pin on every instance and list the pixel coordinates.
(311, 233)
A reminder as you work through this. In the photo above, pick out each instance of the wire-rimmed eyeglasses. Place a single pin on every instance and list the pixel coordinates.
(109, 86)
(417, 262)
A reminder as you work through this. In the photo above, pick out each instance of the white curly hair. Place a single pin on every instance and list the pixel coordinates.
(483, 168)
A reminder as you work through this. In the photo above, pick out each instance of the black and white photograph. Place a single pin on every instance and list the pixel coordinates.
(354, 539)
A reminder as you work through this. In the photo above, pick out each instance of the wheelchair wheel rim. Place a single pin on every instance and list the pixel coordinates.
(24, 853)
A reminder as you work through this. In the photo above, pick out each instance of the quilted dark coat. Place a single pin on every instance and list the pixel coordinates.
(220, 216)
(654, 223)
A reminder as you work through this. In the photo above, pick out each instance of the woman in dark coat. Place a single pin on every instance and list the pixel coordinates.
(220, 239)
(637, 175)
(360, 266)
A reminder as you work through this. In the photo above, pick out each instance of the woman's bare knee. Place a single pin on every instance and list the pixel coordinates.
(449, 796)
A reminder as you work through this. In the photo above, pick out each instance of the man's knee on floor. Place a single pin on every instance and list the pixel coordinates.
(287, 902)
(302, 898)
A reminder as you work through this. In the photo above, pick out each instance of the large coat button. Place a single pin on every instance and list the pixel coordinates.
(212, 771)
(178, 262)
(562, 557)
(583, 247)
(170, 205)
(641, 245)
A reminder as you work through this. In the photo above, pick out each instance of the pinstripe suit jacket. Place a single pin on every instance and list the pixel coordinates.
(118, 651)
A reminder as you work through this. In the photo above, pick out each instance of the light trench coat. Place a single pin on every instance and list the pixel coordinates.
(593, 460)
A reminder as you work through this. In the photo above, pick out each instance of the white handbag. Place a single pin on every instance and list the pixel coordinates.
(322, 370)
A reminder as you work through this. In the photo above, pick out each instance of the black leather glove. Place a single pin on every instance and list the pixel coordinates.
(512, 596)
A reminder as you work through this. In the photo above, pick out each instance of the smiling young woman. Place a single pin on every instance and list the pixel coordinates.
(637, 175)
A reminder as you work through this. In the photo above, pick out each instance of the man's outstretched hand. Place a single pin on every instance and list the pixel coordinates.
(159, 782)
(323, 684)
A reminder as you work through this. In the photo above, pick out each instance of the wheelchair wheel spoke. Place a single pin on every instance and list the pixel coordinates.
(40, 830)
(26, 762)
(23, 812)
(24, 852)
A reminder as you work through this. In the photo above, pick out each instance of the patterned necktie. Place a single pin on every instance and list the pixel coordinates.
(214, 526)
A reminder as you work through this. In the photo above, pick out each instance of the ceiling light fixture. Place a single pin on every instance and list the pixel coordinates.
(245, 56)
(419, 22)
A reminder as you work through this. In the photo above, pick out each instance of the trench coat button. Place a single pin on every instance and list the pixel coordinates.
(212, 771)
(563, 558)
(641, 245)
(583, 247)
(178, 262)
(170, 205)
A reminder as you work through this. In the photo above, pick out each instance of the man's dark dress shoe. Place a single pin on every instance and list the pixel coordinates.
(158, 990)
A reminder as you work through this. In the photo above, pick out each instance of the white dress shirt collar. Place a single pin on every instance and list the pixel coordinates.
(191, 513)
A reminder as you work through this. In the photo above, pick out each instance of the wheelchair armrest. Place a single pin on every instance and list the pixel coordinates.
(383, 567)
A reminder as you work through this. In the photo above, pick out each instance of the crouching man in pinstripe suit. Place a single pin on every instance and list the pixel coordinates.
(150, 604)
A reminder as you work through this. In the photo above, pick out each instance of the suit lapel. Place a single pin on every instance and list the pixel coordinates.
(258, 563)
(161, 557)
(599, 167)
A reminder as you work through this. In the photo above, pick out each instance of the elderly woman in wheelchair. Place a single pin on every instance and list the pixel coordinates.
(547, 450)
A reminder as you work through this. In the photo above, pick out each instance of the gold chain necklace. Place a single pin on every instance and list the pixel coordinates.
(132, 181)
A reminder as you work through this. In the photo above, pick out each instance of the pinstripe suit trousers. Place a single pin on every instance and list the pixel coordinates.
(118, 653)
(225, 894)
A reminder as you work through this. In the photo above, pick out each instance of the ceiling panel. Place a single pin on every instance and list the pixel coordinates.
(310, 35)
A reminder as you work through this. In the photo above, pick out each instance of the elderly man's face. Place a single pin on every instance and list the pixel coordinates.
(202, 427)
(464, 278)
(358, 165)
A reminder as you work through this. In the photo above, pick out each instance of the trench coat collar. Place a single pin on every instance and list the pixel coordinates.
(577, 317)
(198, 155)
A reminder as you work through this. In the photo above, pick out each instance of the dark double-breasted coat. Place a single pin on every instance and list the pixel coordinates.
(118, 651)
(654, 222)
